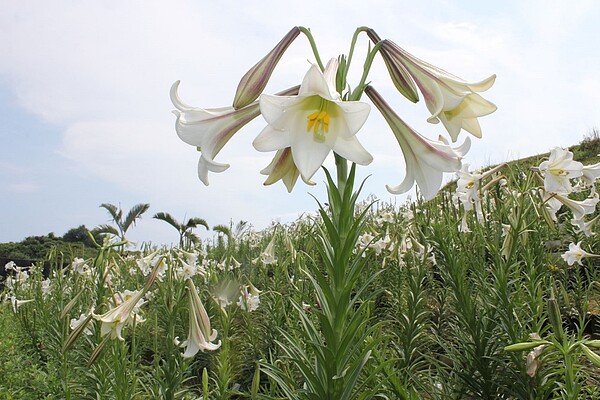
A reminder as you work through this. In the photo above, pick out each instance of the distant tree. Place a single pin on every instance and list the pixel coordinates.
(122, 225)
(186, 236)
(81, 235)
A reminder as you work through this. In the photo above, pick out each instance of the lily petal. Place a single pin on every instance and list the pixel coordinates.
(425, 159)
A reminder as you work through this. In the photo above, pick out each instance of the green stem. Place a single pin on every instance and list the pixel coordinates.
(360, 88)
(313, 45)
(351, 52)
(341, 165)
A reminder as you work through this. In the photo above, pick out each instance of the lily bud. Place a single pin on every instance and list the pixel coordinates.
(400, 76)
(555, 318)
(593, 357)
(255, 80)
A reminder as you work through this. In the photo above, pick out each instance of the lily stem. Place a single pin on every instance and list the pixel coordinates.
(313, 45)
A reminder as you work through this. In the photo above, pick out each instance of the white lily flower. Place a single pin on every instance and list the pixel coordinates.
(209, 129)
(249, 299)
(585, 226)
(590, 173)
(200, 336)
(448, 98)
(559, 169)
(575, 254)
(16, 303)
(123, 314)
(314, 122)
(426, 160)
(554, 201)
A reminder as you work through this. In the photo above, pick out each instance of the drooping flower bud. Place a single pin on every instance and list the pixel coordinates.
(255, 80)
(555, 318)
(400, 76)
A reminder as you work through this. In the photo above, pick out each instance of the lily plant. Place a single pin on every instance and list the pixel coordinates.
(304, 125)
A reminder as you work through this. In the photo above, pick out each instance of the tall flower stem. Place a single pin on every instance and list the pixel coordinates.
(334, 344)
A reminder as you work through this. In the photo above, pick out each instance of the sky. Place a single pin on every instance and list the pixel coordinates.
(85, 114)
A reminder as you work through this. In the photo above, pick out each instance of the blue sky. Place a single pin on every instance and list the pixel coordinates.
(85, 115)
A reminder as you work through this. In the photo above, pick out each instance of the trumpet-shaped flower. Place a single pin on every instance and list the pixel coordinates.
(314, 122)
(555, 201)
(590, 173)
(200, 336)
(425, 159)
(249, 299)
(559, 169)
(16, 303)
(575, 254)
(210, 129)
(449, 99)
(123, 314)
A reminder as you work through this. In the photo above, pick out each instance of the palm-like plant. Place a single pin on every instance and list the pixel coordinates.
(122, 225)
(186, 236)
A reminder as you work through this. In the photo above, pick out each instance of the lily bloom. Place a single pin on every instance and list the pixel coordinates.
(426, 160)
(555, 201)
(210, 129)
(590, 173)
(559, 169)
(124, 314)
(575, 254)
(200, 336)
(449, 99)
(314, 122)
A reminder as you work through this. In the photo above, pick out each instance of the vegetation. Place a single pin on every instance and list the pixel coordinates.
(444, 303)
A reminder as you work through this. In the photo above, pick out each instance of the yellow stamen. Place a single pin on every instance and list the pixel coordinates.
(318, 121)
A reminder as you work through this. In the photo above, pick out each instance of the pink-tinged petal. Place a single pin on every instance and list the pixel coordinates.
(400, 76)
(283, 168)
(426, 160)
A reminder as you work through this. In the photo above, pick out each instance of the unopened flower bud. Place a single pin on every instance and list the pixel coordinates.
(255, 80)
(555, 318)
(400, 76)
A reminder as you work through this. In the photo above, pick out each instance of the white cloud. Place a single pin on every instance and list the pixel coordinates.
(101, 72)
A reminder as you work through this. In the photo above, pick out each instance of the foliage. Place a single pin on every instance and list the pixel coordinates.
(439, 305)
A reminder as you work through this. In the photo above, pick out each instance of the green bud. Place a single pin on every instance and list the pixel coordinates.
(593, 343)
(593, 357)
(525, 345)
(255, 383)
(400, 76)
(205, 384)
(255, 80)
(555, 318)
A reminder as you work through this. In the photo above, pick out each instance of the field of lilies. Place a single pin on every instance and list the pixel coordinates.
(490, 290)
(486, 289)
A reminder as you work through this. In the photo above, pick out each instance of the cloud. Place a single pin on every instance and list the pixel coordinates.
(100, 72)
